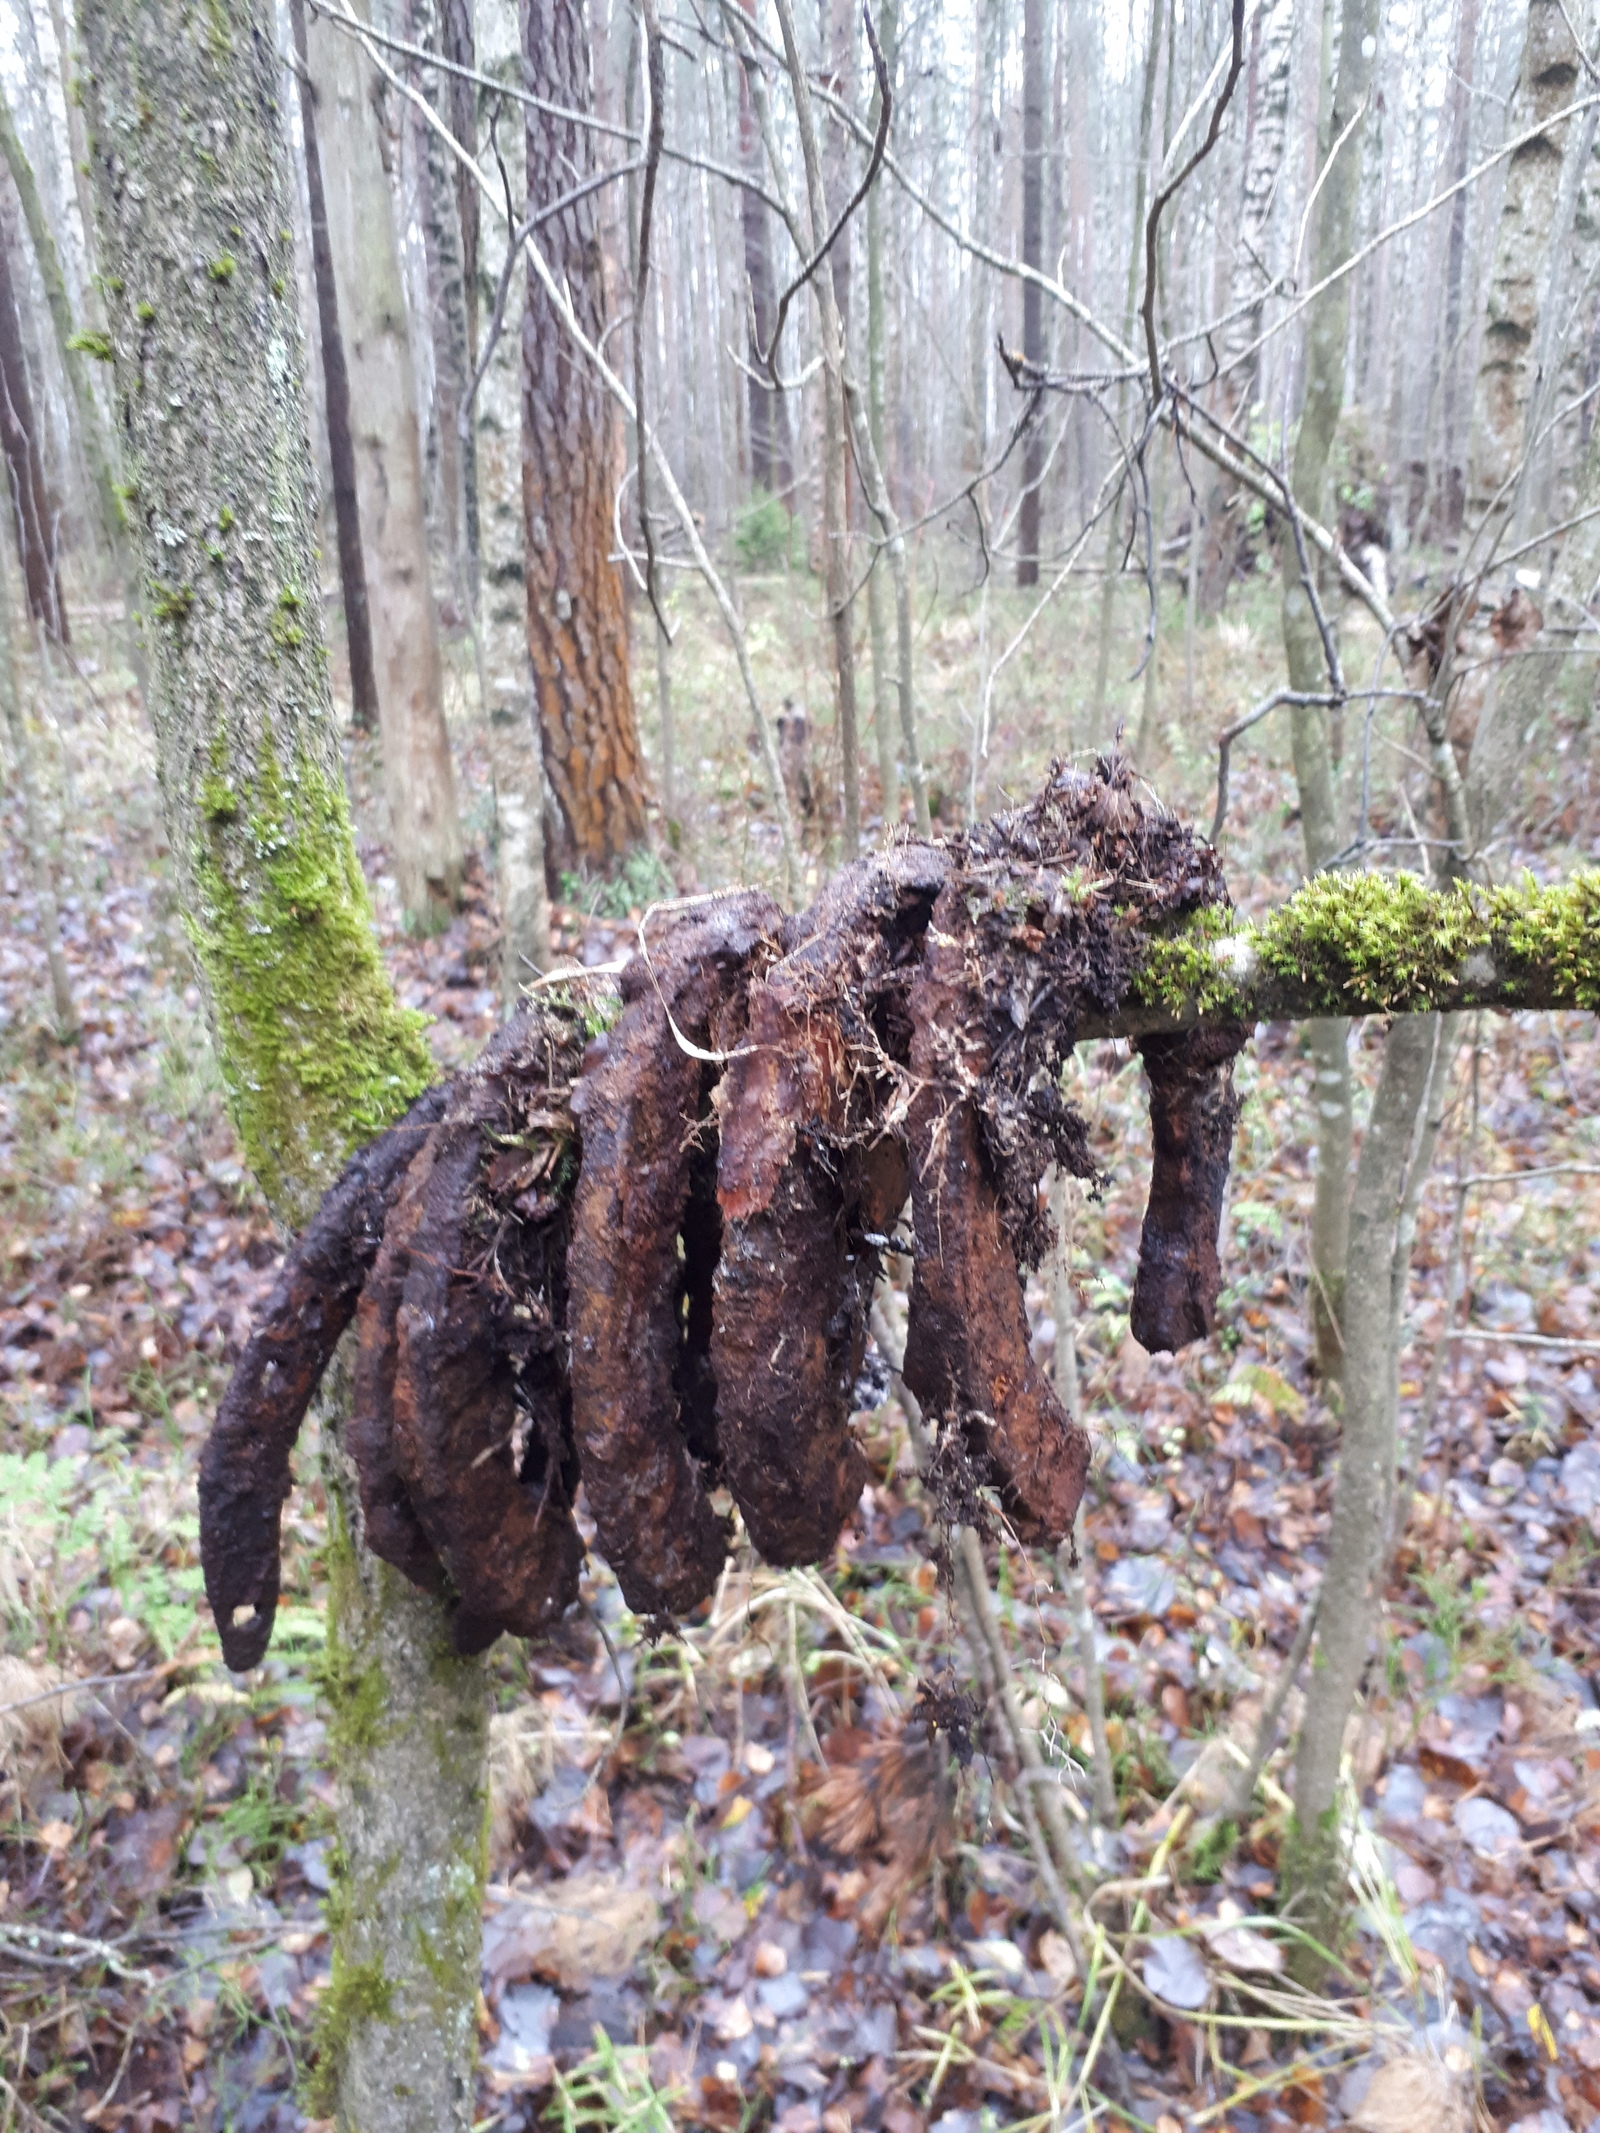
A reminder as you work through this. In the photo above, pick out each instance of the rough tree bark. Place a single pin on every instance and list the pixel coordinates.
(1328, 1042)
(32, 509)
(571, 463)
(511, 715)
(1505, 383)
(419, 779)
(191, 186)
(336, 395)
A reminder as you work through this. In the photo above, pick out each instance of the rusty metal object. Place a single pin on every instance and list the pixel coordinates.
(649, 1255)
(969, 1356)
(244, 1470)
(1193, 1112)
(644, 1110)
(806, 1177)
(389, 1522)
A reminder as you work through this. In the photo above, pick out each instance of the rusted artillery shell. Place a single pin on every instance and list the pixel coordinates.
(805, 1177)
(506, 1536)
(642, 1112)
(969, 1358)
(1193, 1112)
(244, 1470)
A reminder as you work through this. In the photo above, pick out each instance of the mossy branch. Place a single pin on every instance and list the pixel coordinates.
(1374, 944)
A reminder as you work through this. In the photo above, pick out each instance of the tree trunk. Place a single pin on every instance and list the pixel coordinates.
(1033, 348)
(571, 463)
(1326, 336)
(883, 670)
(455, 504)
(22, 770)
(1506, 369)
(1394, 1157)
(419, 779)
(75, 362)
(191, 182)
(32, 510)
(1266, 139)
(511, 716)
(336, 395)
(771, 454)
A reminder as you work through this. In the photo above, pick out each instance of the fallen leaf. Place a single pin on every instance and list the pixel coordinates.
(1175, 1972)
(589, 1925)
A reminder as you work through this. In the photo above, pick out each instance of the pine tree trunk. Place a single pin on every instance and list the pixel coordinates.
(336, 396)
(571, 463)
(191, 183)
(419, 777)
(510, 712)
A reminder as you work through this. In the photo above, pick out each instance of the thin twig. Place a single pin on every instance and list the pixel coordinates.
(1244, 1787)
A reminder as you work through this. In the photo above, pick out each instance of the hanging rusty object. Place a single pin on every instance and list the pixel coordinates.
(641, 1257)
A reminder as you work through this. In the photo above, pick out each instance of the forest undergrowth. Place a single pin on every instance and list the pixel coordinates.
(732, 1884)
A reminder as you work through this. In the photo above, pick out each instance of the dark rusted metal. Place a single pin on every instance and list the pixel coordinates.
(244, 1470)
(696, 1203)
(1193, 1112)
(643, 1112)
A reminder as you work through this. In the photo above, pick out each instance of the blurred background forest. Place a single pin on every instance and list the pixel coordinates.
(1013, 380)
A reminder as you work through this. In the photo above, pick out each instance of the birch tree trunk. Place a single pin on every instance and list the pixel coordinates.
(1506, 366)
(1328, 1041)
(571, 464)
(419, 778)
(511, 714)
(191, 186)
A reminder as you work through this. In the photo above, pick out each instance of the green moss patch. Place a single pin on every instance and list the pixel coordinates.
(316, 1054)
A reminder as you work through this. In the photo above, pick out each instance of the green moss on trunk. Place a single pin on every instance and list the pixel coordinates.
(316, 1053)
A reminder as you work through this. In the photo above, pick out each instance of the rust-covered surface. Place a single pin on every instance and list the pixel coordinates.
(645, 1111)
(1193, 1112)
(807, 1175)
(645, 1255)
(244, 1474)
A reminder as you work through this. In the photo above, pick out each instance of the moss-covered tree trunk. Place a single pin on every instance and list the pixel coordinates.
(191, 194)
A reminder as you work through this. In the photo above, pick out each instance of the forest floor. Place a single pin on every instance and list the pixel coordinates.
(725, 1891)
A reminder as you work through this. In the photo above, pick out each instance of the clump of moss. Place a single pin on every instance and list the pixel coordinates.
(1180, 969)
(90, 343)
(356, 1993)
(1371, 940)
(1555, 930)
(316, 1054)
(1385, 944)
